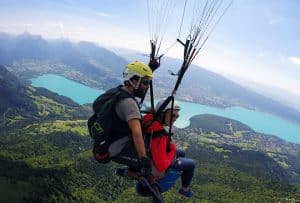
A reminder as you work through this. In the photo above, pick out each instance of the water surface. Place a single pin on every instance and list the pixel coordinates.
(79, 93)
(258, 121)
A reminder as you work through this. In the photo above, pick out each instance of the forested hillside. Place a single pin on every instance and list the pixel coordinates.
(236, 138)
(46, 157)
(13, 93)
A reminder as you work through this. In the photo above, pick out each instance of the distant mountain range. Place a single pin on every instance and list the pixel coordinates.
(284, 97)
(29, 55)
(203, 86)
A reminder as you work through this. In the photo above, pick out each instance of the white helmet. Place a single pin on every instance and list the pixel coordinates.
(169, 106)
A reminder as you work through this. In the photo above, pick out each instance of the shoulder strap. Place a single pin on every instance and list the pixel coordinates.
(125, 94)
(156, 134)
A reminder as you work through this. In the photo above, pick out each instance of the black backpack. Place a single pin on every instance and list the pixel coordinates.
(100, 124)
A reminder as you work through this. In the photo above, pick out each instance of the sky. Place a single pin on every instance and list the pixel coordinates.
(256, 43)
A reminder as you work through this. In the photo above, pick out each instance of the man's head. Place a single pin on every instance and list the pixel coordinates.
(138, 76)
(166, 112)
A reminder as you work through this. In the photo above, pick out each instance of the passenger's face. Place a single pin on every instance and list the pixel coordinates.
(168, 116)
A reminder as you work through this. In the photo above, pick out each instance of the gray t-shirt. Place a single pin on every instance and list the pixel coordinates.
(128, 109)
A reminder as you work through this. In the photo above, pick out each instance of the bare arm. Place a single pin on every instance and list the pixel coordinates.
(136, 129)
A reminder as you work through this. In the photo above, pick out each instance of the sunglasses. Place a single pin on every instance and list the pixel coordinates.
(146, 82)
(176, 116)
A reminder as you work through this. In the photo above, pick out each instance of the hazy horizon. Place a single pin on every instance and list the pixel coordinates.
(256, 41)
(288, 98)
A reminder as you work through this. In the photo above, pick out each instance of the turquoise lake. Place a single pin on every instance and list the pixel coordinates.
(258, 121)
(79, 93)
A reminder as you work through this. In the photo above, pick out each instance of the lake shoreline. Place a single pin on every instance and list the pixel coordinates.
(261, 122)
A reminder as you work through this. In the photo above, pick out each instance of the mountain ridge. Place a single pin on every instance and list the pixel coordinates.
(13, 93)
(21, 103)
(97, 67)
(212, 85)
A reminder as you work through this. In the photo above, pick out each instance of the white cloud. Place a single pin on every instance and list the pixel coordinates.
(277, 20)
(60, 25)
(230, 62)
(261, 54)
(3, 26)
(28, 24)
(106, 15)
(295, 60)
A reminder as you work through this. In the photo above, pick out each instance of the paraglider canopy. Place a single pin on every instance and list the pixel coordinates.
(196, 22)
(193, 20)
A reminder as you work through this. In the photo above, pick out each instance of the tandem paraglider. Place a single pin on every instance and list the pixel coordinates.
(142, 140)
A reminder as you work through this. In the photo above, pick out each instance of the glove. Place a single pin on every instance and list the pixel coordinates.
(145, 164)
(154, 64)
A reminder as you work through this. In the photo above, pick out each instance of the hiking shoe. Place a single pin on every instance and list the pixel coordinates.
(188, 193)
(122, 171)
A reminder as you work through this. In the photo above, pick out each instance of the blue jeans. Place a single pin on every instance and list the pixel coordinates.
(181, 166)
(185, 166)
(180, 153)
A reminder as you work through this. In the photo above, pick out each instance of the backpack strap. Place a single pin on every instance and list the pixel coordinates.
(156, 134)
(101, 124)
(152, 129)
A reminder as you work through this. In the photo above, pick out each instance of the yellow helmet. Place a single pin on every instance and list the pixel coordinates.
(137, 68)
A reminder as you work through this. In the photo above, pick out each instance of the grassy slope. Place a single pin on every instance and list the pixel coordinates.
(46, 157)
(218, 131)
(60, 164)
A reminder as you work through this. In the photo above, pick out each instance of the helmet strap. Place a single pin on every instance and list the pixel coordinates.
(131, 83)
(137, 85)
(164, 118)
(137, 92)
